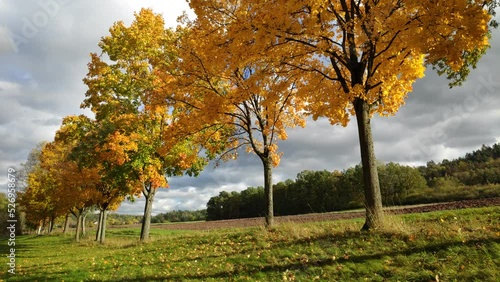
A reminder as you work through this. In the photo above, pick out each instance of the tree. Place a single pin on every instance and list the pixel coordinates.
(252, 202)
(317, 189)
(76, 184)
(398, 181)
(477, 168)
(43, 198)
(31, 164)
(233, 103)
(135, 141)
(56, 186)
(180, 216)
(89, 179)
(35, 204)
(358, 57)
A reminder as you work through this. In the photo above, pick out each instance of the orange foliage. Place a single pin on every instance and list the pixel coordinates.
(346, 50)
(134, 124)
(227, 101)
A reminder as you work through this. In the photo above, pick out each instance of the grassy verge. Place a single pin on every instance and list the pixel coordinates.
(459, 245)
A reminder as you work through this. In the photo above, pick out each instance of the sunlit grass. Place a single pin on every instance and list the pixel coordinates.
(459, 245)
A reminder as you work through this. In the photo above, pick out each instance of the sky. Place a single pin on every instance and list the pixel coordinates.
(44, 51)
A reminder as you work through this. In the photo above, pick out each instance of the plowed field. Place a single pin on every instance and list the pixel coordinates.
(259, 221)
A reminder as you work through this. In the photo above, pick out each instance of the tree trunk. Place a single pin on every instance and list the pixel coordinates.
(83, 223)
(44, 226)
(268, 192)
(66, 224)
(98, 231)
(373, 198)
(102, 233)
(78, 227)
(149, 193)
(39, 230)
(51, 225)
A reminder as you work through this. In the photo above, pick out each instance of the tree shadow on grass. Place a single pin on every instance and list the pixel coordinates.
(254, 269)
(260, 267)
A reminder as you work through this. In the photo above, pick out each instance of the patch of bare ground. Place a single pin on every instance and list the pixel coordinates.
(259, 221)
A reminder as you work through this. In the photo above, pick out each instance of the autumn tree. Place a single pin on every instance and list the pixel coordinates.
(34, 200)
(136, 146)
(88, 178)
(76, 192)
(109, 199)
(43, 199)
(56, 186)
(27, 168)
(359, 58)
(229, 102)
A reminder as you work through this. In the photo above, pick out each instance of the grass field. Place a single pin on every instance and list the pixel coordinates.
(458, 245)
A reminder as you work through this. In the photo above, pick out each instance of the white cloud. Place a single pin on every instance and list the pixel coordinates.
(170, 9)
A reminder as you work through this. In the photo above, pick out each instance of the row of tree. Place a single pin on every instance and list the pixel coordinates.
(238, 76)
(318, 191)
(127, 150)
(180, 216)
(480, 167)
(324, 191)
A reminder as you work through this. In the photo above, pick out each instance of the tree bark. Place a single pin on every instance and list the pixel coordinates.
(98, 231)
(102, 233)
(44, 226)
(39, 230)
(84, 217)
(66, 224)
(51, 225)
(373, 198)
(268, 192)
(78, 227)
(149, 193)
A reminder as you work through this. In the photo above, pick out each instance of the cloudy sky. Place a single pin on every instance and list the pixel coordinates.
(44, 51)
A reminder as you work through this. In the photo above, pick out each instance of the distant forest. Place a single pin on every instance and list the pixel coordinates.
(171, 216)
(476, 175)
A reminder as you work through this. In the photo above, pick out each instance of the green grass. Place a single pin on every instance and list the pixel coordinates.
(461, 245)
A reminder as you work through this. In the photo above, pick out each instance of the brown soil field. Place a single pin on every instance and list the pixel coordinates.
(314, 217)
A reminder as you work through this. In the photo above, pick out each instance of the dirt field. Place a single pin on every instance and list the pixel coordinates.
(259, 221)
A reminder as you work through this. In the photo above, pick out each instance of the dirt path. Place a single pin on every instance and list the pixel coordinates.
(259, 221)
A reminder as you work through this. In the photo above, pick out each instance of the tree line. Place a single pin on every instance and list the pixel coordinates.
(325, 191)
(180, 216)
(166, 101)
(480, 167)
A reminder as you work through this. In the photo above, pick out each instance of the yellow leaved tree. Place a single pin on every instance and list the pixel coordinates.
(134, 136)
(226, 102)
(358, 57)
(88, 174)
